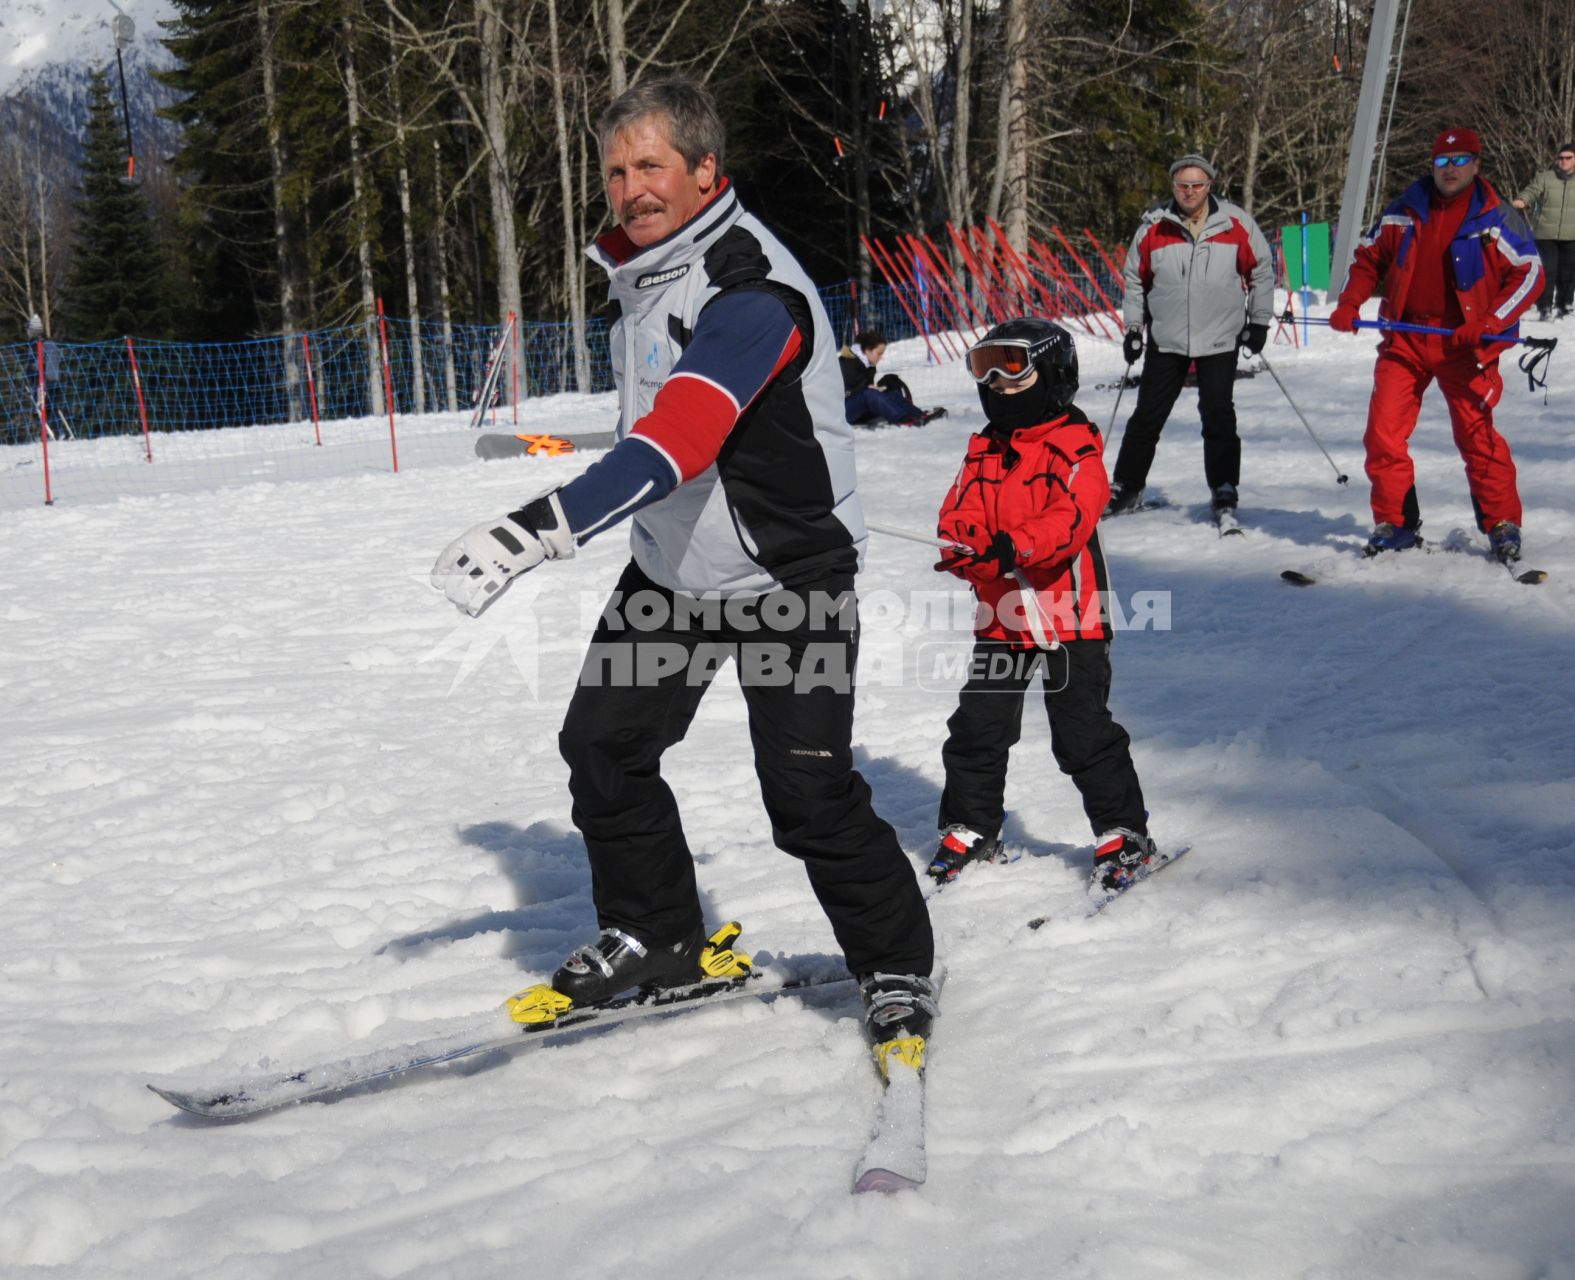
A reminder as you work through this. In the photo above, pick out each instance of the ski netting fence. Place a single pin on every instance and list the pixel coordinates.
(212, 414)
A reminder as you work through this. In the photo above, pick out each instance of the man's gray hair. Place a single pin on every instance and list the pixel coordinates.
(693, 126)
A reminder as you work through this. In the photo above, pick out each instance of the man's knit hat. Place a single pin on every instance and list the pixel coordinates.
(1457, 141)
(1192, 162)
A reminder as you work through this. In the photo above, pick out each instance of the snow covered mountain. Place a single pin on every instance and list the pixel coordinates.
(48, 49)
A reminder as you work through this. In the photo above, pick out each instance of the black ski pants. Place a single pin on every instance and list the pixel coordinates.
(1163, 375)
(641, 684)
(1087, 743)
(1558, 262)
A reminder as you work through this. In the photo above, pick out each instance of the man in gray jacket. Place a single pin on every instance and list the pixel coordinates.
(1200, 275)
(1551, 197)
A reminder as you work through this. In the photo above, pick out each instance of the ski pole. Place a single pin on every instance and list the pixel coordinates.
(1538, 355)
(1034, 616)
(1121, 390)
(1340, 476)
(1405, 326)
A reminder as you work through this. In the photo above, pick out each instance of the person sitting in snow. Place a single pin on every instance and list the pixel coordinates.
(1022, 519)
(874, 403)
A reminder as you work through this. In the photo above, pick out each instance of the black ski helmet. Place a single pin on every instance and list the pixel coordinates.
(1054, 356)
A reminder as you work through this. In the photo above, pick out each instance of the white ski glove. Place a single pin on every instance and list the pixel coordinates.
(475, 569)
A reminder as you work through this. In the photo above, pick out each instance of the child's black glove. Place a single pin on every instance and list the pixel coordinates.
(996, 560)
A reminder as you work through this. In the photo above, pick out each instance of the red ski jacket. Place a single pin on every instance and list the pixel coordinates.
(1496, 273)
(1045, 486)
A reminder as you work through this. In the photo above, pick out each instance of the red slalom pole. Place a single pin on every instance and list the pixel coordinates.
(388, 385)
(142, 407)
(905, 274)
(1110, 262)
(877, 253)
(311, 387)
(922, 263)
(1016, 259)
(1083, 266)
(948, 290)
(980, 277)
(43, 423)
(976, 316)
(1047, 260)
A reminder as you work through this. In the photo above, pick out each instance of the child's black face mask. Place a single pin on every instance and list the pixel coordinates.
(1027, 408)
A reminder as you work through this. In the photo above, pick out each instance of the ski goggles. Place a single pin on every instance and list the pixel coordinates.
(1460, 162)
(1011, 359)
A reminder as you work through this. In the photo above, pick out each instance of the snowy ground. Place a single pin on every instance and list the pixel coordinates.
(268, 799)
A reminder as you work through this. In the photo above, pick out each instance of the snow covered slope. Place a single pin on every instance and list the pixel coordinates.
(266, 798)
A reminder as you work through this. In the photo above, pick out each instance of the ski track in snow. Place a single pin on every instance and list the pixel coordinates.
(269, 801)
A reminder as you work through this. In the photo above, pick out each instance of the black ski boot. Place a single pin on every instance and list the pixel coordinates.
(1120, 857)
(617, 961)
(959, 846)
(898, 1011)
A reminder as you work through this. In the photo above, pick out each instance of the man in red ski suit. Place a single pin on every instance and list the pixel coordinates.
(1458, 258)
(1021, 520)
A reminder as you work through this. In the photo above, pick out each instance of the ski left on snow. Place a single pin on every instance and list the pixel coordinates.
(893, 1160)
(245, 1098)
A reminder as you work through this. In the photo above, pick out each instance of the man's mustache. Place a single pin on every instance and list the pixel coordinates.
(639, 208)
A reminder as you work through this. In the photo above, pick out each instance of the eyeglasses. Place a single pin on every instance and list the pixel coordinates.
(1189, 186)
(1460, 162)
(1566, 156)
(1009, 358)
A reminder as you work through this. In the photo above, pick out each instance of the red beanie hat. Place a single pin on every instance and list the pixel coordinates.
(1456, 141)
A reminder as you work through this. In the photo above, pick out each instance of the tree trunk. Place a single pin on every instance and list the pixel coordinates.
(571, 255)
(489, 20)
(617, 48)
(445, 307)
(363, 233)
(959, 201)
(1009, 196)
(418, 400)
(289, 320)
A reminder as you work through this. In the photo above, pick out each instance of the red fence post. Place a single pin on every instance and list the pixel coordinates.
(388, 384)
(43, 423)
(1083, 266)
(142, 408)
(876, 250)
(311, 386)
(514, 369)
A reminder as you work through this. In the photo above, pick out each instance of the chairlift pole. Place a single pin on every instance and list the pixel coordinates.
(1364, 139)
(125, 31)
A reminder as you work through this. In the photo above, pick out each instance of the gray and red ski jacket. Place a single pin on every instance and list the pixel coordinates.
(1197, 294)
(1045, 486)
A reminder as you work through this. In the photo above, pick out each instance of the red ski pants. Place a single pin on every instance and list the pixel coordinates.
(1407, 363)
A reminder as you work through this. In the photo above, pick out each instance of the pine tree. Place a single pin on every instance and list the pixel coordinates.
(116, 284)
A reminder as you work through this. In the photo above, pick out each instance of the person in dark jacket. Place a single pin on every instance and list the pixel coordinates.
(872, 402)
(736, 468)
(1549, 199)
(1022, 516)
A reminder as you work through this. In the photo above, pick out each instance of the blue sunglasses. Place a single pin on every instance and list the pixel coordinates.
(1460, 162)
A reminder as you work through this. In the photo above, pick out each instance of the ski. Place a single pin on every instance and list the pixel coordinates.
(494, 445)
(1009, 854)
(246, 1098)
(1225, 521)
(1097, 900)
(1528, 577)
(1156, 503)
(894, 1158)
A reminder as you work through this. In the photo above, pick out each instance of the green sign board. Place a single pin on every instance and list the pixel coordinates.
(1317, 255)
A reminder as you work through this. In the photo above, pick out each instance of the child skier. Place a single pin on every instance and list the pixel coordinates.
(1022, 513)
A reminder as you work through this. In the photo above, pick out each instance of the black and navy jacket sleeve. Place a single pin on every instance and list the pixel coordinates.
(742, 340)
